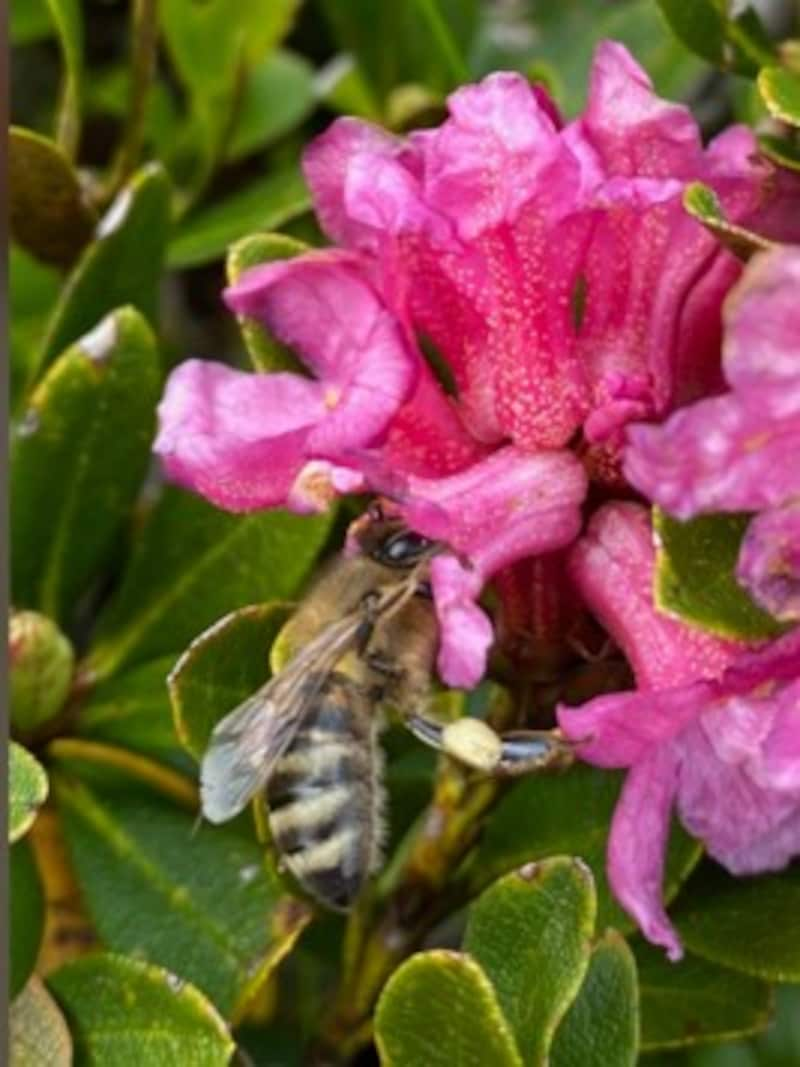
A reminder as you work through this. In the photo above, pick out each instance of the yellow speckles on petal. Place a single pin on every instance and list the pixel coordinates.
(332, 397)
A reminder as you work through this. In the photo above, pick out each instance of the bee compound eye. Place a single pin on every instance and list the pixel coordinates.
(404, 548)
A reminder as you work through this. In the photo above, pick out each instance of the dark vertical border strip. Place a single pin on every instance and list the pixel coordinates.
(4, 554)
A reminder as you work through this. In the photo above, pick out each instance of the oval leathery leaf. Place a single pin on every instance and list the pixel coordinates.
(531, 933)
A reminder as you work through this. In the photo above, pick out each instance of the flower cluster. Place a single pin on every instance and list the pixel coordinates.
(552, 268)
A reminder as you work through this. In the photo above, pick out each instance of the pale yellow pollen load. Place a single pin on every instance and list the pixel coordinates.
(472, 742)
(332, 397)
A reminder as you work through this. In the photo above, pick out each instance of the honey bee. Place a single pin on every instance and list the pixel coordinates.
(367, 638)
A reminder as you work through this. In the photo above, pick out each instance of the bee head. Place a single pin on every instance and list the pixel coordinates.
(386, 539)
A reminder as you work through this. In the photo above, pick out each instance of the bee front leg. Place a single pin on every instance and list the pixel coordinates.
(475, 744)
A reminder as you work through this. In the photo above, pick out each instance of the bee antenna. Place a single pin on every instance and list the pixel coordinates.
(198, 822)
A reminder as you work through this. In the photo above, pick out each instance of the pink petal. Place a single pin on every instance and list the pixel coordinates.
(621, 729)
(769, 561)
(504, 508)
(482, 164)
(632, 129)
(720, 801)
(322, 306)
(637, 846)
(762, 317)
(238, 439)
(716, 455)
(326, 164)
(613, 568)
(465, 632)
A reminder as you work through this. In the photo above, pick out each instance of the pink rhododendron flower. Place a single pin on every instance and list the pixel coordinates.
(555, 268)
(552, 266)
(741, 451)
(713, 729)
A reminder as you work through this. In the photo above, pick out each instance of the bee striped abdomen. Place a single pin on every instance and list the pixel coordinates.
(325, 798)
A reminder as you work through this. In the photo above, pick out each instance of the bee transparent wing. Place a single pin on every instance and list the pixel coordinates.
(246, 744)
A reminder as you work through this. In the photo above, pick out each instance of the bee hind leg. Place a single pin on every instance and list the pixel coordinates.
(475, 744)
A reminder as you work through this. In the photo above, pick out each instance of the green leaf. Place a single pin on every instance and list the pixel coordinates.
(209, 905)
(66, 14)
(780, 90)
(265, 352)
(26, 914)
(132, 710)
(41, 662)
(33, 291)
(27, 790)
(122, 1012)
(29, 21)
(699, 25)
(264, 204)
(778, 150)
(531, 933)
(220, 669)
(193, 564)
(48, 212)
(207, 42)
(749, 924)
(278, 95)
(701, 202)
(695, 566)
(121, 266)
(78, 458)
(568, 814)
(39, 1036)
(601, 1027)
(439, 1009)
(696, 1001)
(429, 39)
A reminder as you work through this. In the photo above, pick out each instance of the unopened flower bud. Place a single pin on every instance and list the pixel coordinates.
(41, 662)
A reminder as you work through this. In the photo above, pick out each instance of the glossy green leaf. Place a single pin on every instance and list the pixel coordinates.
(208, 905)
(342, 87)
(531, 933)
(601, 1027)
(132, 709)
(447, 28)
(567, 814)
(78, 458)
(783, 152)
(208, 42)
(264, 204)
(701, 202)
(749, 924)
(109, 93)
(439, 1009)
(38, 1033)
(266, 353)
(48, 211)
(699, 25)
(41, 666)
(66, 15)
(32, 293)
(26, 914)
(220, 669)
(278, 95)
(780, 90)
(193, 564)
(696, 1001)
(121, 266)
(695, 567)
(27, 790)
(122, 1012)
(29, 21)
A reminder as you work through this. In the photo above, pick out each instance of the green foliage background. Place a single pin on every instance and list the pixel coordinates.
(152, 142)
